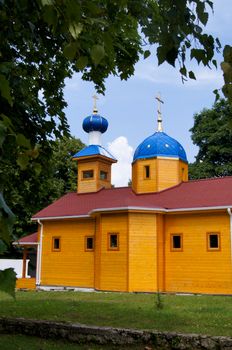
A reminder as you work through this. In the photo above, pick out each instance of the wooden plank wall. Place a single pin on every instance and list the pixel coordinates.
(72, 265)
(113, 264)
(142, 252)
(195, 269)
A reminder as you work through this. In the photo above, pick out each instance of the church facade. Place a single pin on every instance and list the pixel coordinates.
(162, 234)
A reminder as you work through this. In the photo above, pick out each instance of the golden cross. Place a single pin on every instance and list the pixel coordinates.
(95, 98)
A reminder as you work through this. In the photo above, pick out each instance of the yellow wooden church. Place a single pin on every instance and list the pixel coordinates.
(164, 233)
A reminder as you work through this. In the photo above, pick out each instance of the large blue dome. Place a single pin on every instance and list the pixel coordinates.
(95, 122)
(160, 145)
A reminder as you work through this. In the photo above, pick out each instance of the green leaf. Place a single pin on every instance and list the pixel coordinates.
(8, 281)
(3, 247)
(82, 62)
(217, 95)
(75, 29)
(183, 71)
(23, 141)
(5, 89)
(3, 131)
(50, 15)
(97, 53)
(192, 75)
(161, 54)
(7, 219)
(214, 63)
(46, 2)
(146, 54)
(198, 54)
(6, 121)
(70, 50)
(227, 53)
(227, 91)
(172, 56)
(37, 168)
(202, 15)
(23, 161)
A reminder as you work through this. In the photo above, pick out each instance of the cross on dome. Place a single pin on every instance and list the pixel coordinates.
(160, 127)
(95, 98)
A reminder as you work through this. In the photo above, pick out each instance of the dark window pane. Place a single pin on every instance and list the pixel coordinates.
(56, 243)
(147, 171)
(87, 174)
(89, 243)
(176, 242)
(113, 241)
(213, 241)
(103, 175)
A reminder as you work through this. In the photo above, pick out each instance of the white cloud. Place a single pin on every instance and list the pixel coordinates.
(165, 74)
(123, 152)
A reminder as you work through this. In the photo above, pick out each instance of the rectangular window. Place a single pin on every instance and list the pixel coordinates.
(89, 243)
(147, 171)
(87, 174)
(56, 244)
(213, 241)
(113, 241)
(176, 242)
(103, 175)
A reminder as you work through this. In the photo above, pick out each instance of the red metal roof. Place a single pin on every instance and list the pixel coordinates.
(28, 240)
(207, 193)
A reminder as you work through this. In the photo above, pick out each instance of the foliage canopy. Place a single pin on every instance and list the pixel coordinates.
(212, 133)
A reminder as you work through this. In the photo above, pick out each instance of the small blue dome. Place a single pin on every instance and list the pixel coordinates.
(95, 122)
(160, 145)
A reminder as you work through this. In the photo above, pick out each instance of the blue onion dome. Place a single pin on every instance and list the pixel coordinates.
(95, 122)
(160, 145)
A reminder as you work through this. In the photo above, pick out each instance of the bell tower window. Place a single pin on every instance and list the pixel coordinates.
(147, 171)
(103, 175)
(87, 174)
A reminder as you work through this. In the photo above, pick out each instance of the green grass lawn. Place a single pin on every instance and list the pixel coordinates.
(210, 315)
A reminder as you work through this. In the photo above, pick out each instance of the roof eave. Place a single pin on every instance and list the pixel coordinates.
(59, 217)
(148, 209)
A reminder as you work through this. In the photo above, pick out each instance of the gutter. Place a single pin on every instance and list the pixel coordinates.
(25, 243)
(39, 255)
(60, 217)
(230, 214)
(160, 210)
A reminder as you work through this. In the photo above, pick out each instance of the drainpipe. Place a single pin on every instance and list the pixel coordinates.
(230, 214)
(39, 255)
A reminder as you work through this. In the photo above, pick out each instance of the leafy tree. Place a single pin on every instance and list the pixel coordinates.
(28, 192)
(212, 134)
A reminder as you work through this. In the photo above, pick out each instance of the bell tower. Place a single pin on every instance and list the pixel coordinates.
(94, 161)
(159, 161)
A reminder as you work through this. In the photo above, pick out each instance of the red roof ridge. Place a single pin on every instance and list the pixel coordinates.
(117, 188)
(101, 189)
(211, 178)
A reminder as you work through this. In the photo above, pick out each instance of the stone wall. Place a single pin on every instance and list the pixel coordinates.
(105, 335)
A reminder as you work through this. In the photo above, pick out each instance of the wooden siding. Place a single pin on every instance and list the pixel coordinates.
(97, 253)
(95, 183)
(142, 253)
(164, 173)
(72, 265)
(195, 269)
(160, 252)
(113, 264)
(25, 283)
(139, 183)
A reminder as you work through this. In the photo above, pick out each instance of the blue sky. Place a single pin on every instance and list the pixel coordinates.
(130, 106)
